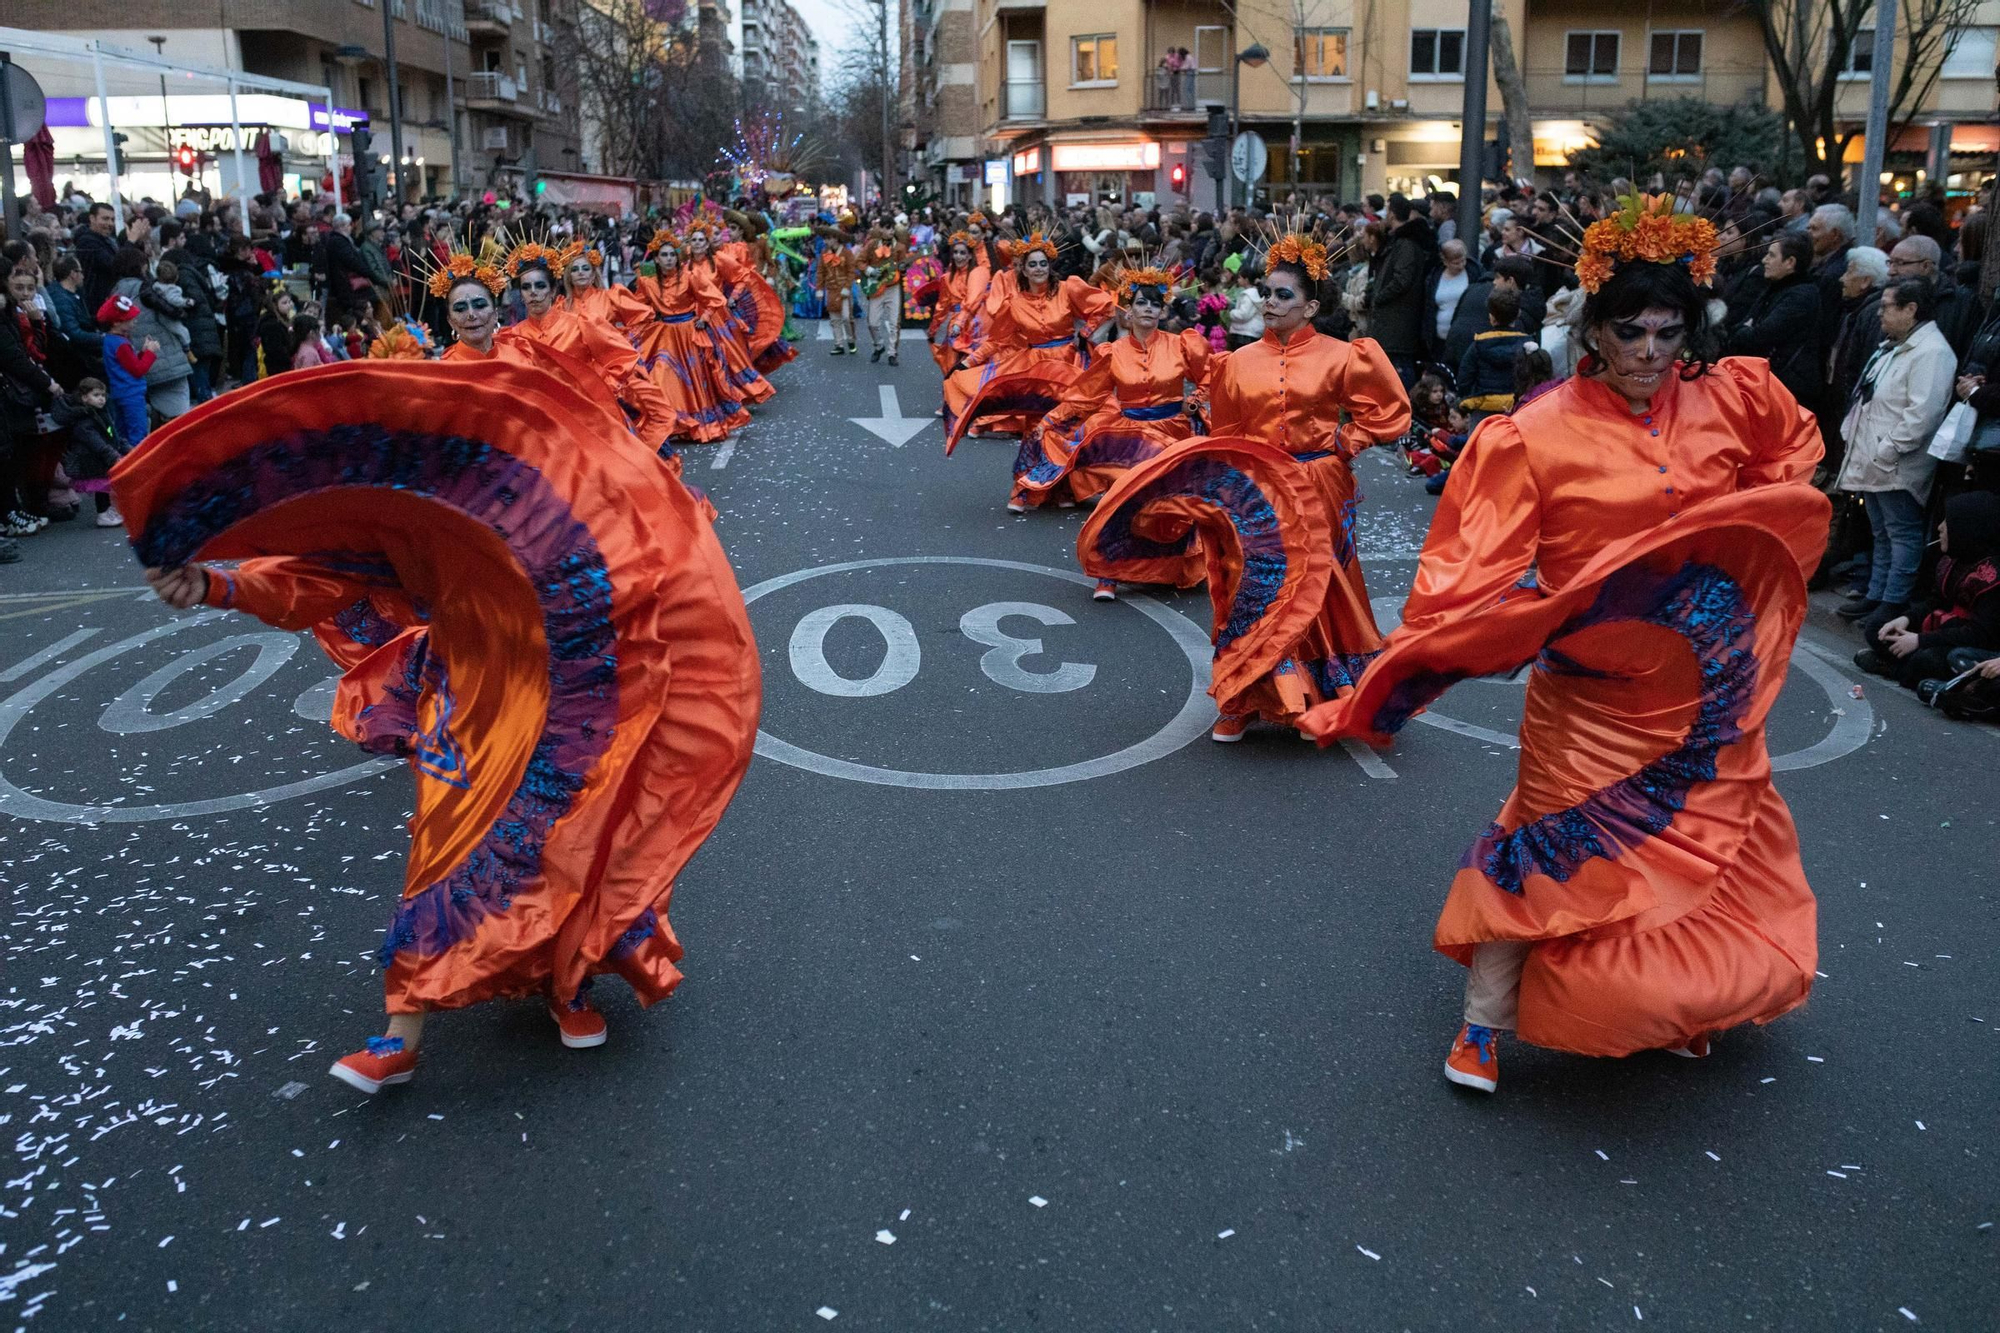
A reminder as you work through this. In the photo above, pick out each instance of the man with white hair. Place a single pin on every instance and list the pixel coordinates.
(349, 284)
(1830, 229)
(1957, 314)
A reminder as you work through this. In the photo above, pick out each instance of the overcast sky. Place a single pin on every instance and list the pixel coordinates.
(832, 25)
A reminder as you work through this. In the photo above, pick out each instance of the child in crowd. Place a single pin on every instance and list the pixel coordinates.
(1963, 611)
(1212, 310)
(92, 448)
(312, 348)
(1430, 409)
(173, 304)
(1447, 445)
(1246, 310)
(125, 369)
(1486, 374)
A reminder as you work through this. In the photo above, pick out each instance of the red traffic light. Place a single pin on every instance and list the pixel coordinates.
(184, 157)
(1179, 176)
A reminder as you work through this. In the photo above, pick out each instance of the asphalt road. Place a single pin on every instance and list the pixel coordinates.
(1146, 1039)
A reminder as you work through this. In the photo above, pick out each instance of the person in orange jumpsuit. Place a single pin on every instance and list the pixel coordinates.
(1131, 405)
(533, 268)
(587, 702)
(1029, 355)
(1642, 535)
(1272, 494)
(681, 353)
(960, 291)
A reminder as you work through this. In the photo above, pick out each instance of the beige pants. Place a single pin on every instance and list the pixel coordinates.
(1493, 983)
(885, 319)
(840, 314)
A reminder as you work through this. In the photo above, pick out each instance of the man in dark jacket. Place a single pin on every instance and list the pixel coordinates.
(1510, 273)
(1396, 301)
(348, 281)
(97, 251)
(81, 343)
(1785, 327)
(1957, 309)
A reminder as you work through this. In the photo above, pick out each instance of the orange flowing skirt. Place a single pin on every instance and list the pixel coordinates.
(1643, 852)
(691, 371)
(589, 692)
(1292, 624)
(961, 387)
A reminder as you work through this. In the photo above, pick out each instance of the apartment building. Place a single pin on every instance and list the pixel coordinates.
(780, 56)
(494, 65)
(1112, 99)
(939, 103)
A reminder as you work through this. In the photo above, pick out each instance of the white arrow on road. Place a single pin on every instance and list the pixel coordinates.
(892, 426)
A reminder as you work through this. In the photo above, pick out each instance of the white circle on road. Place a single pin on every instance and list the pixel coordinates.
(1195, 718)
(25, 805)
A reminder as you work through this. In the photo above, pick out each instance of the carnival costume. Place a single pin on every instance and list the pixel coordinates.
(754, 301)
(732, 334)
(1028, 357)
(686, 361)
(882, 289)
(1272, 496)
(837, 271)
(587, 700)
(1128, 407)
(1641, 887)
(959, 293)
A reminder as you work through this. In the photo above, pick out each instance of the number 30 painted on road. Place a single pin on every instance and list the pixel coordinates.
(902, 657)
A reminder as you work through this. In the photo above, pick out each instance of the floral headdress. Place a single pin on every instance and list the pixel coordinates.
(1298, 240)
(403, 340)
(1147, 271)
(459, 265)
(701, 217)
(531, 254)
(1036, 242)
(963, 238)
(1647, 229)
(662, 239)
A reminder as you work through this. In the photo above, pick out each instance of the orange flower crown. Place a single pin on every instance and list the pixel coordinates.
(1304, 250)
(1646, 229)
(662, 239)
(1146, 273)
(1036, 241)
(961, 238)
(458, 266)
(402, 341)
(527, 254)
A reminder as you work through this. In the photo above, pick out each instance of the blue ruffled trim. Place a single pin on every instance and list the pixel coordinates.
(570, 581)
(385, 1046)
(1706, 607)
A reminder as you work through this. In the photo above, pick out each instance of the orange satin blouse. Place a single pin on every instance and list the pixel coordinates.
(681, 292)
(1295, 393)
(1130, 374)
(1576, 469)
(619, 307)
(1026, 320)
(599, 346)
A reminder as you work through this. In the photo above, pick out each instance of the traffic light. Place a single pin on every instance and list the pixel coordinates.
(541, 186)
(1216, 154)
(184, 159)
(117, 163)
(1179, 177)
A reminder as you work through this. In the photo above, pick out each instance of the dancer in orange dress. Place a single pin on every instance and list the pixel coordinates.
(1642, 535)
(588, 699)
(1028, 357)
(682, 353)
(532, 267)
(733, 335)
(1272, 495)
(589, 295)
(751, 296)
(961, 289)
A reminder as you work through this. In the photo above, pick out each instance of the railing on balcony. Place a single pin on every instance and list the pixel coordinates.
(488, 14)
(550, 102)
(1026, 99)
(490, 85)
(1555, 90)
(1186, 91)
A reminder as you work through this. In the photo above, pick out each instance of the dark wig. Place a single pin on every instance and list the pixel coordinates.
(1152, 291)
(529, 266)
(1639, 286)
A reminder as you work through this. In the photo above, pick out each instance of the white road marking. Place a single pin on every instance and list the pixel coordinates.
(48, 654)
(1196, 716)
(1371, 763)
(892, 426)
(722, 456)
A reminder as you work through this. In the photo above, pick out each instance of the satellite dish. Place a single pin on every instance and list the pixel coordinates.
(23, 109)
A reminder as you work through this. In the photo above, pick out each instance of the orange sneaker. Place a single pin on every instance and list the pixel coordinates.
(1229, 727)
(1107, 591)
(375, 1066)
(1694, 1048)
(580, 1022)
(1474, 1061)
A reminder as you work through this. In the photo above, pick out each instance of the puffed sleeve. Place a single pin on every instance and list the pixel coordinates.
(728, 268)
(646, 289)
(1003, 335)
(709, 301)
(1372, 394)
(283, 591)
(1195, 354)
(1092, 305)
(1484, 535)
(1785, 437)
(628, 309)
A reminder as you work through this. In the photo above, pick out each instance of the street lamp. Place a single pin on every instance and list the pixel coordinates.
(1254, 55)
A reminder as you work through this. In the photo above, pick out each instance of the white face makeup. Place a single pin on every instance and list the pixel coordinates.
(474, 314)
(1286, 306)
(1639, 353)
(1036, 269)
(538, 291)
(1145, 312)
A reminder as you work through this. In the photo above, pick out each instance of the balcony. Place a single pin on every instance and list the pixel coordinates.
(550, 104)
(1555, 92)
(491, 20)
(1186, 94)
(490, 90)
(1026, 99)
